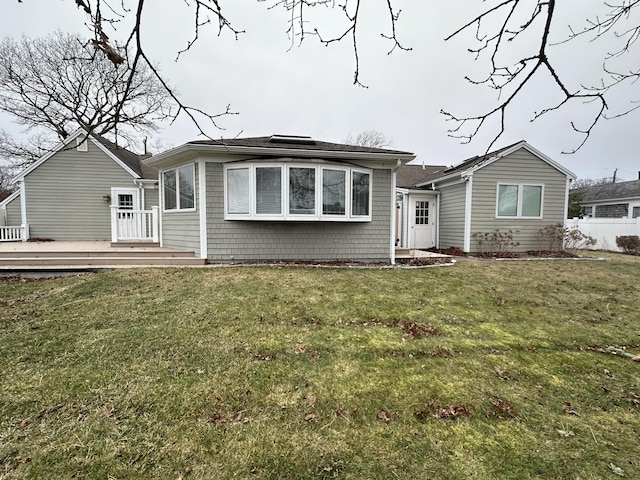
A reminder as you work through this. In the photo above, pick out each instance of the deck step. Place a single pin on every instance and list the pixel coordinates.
(98, 261)
(124, 253)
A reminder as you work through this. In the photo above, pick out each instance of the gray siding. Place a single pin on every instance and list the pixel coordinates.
(181, 230)
(233, 240)
(64, 195)
(14, 217)
(452, 211)
(519, 167)
(151, 197)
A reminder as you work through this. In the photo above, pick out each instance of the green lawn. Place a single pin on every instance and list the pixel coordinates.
(484, 370)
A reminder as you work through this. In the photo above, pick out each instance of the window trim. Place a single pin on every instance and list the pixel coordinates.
(177, 194)
(285, 216)
(519, 201)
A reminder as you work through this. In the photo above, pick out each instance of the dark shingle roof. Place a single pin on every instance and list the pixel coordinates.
(295, 143)
(408, 176)
(130, 159)
(477, 160)
(610, 191)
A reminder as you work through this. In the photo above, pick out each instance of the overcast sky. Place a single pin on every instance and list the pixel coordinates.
(308, 89)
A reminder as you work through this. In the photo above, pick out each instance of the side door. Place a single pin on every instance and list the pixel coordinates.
(422, 222)
(126, 202)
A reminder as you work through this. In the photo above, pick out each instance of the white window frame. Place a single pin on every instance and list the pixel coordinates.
(177, 175)
(318, 216)
(519, 201)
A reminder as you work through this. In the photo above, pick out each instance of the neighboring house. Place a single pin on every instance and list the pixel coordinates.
(79, 191)
(611, 200)
(516, 189)
(279, 198)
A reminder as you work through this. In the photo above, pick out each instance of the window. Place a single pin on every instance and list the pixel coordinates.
(519, 201)
(360, 190)
(178, 187)
(334, 186)
(635, 212)
(587, 211)
(269, 190)
(302, 191)
(297, 192)
(422, 212)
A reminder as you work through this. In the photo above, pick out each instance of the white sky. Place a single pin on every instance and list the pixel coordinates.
(308, 89)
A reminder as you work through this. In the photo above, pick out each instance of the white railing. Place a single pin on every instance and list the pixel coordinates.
(605, 230)
(134, 224)
(14, 234)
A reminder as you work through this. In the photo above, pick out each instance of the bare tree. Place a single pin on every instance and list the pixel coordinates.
(369, 138)
(103, 16)
(56, 84)
(6, 188)
(513, 36)
(503, 33)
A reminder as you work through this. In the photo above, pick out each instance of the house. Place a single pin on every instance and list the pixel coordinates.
(611, 200)
(86, 188)
(515, 189)
(279, 198)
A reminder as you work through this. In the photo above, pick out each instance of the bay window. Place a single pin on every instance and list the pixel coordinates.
(519, 201)
(299, 192)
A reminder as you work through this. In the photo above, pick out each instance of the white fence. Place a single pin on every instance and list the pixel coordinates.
(605, 230)
(134, 224)
(14, 234)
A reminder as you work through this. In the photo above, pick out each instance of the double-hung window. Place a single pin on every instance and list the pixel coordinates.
(519, 201)
(178, 188)
(297, 192)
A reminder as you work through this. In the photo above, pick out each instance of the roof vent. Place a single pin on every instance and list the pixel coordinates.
(292, 139)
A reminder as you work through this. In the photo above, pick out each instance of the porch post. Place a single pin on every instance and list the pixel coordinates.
(114, 223)
(155, 225)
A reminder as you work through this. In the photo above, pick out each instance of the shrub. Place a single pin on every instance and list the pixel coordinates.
(551, 238)
(629, 244)
(574, 239)
(557, 237)
(495, 244)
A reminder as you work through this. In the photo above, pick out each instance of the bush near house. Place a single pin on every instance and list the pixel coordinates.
(629, 244)
(557, 237)
(495, 244)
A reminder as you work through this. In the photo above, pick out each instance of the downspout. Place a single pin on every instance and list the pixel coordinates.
(467, 214)
(566, 202)
(437, 229)
(23, 209)
(202, 205)
(392, 217)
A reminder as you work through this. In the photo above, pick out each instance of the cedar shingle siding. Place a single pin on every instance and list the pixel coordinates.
(238, 240)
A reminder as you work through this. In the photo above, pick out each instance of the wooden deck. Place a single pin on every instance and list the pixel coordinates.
(79, 255)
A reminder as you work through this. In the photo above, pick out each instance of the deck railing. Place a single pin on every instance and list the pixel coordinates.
(134, 224)
(14, 234)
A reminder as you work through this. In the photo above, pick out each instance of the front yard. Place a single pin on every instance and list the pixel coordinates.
(482, 370)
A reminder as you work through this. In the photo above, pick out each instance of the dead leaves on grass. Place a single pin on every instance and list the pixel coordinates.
(435, 410)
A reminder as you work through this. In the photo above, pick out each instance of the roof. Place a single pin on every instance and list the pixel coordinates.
(130, 159)
(479, 159)
(295, 143)
(470, 165)
(408, 176)
(610, 191)
(274, 146)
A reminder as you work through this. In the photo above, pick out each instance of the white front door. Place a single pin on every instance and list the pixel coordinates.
(421, 222)
(126, 199)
